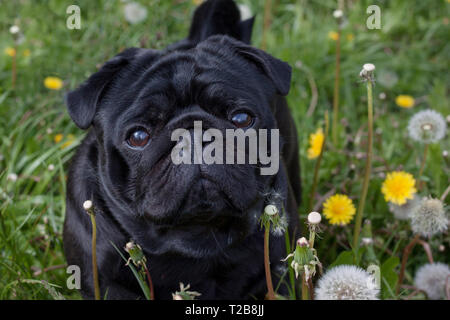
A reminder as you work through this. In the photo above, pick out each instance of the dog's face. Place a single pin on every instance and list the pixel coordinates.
(137, 100)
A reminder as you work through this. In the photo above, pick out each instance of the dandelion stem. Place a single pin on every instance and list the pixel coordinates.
(427, 249)
(14, 69)
(317, 166)
(305, 295)
(445, 194)
(368, 167)
(94, 256)
(336, 89)
(405, 256)
(150, 283)
(266, 23)
(270, 292)
(422, 167)
(291, 271)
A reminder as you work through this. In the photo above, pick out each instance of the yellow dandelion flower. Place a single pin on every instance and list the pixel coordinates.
(53, 83)
(404, 101)
(339, 209)
(315, 143)
(10, 51)
(398, 187)
(26, 53)
(350, 37)
(69, 141)
(58, 137)
(197, 2)
(333, 35)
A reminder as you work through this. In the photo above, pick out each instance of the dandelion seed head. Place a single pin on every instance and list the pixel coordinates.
(432, 278)
(271, 210)
(134, 12)
(338, 14)
(346, 282)
(367, 71)
(87, 205)
(403, 212)
(427, 126)
(369, 67)
(429, 218)
(314, 217)
(14, 29)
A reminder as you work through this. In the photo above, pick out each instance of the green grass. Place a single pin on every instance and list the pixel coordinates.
(411, 49)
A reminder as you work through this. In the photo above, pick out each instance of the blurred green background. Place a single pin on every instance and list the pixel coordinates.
(411, 52)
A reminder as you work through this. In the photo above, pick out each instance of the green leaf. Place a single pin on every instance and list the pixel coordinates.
(345, 257)
(389, 277)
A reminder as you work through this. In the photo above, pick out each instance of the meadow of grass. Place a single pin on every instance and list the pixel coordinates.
(411, 52)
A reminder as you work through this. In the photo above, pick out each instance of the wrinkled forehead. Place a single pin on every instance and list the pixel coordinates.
(214, 80)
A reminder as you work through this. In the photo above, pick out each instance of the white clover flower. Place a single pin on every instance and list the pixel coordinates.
(429, 218)
(427, 126)
(245, 11)
(346, 282)
(134, 12)
(403, 212)
(432, 278)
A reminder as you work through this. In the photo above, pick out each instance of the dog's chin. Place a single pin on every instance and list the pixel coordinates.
(206, 234)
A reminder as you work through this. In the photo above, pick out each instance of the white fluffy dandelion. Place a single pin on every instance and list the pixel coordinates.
(346, 282)
(14, 29)
(134, 12)
(403, 212)
(432, 278)
(427, 126)
(429, 218)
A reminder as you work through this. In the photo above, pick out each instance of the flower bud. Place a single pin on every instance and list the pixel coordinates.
(302, 242)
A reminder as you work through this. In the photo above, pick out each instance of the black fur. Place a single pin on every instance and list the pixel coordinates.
(197, 224)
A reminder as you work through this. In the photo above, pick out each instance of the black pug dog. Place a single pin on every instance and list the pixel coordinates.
(197, 223)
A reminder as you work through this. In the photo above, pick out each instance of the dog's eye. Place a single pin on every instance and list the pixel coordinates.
(138, 138)
(242, 120)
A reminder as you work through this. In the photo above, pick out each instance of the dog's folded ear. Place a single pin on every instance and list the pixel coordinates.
(82, 102)
(279, 72)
